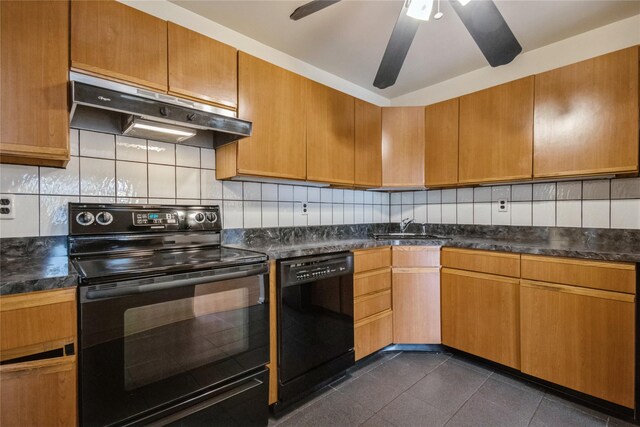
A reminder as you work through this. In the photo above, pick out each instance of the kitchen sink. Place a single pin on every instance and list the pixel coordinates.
(409, 236)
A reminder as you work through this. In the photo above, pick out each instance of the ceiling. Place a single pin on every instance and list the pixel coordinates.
(348, 38)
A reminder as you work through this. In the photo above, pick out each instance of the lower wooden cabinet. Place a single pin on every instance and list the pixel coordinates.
(39, 393)
(480, 315)
(416, 305)
(373, 320)
(373, 333)
(579, 338)
(42, 391)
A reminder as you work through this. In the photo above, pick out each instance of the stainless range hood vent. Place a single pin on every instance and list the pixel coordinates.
(105, 106)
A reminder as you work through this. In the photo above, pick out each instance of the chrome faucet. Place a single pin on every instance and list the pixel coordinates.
(405, 223)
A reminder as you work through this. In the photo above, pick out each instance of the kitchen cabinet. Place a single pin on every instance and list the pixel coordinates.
(416, 295)
(586, 117)
(441, 143)
(110, 39)
(202, 68)
(403, 147)
(480, 303)
(34, 111)
(373, 318)
(274, 99)
(330, 135)
(579, 338)
(496, 133)
(41, 326)
(368, 145)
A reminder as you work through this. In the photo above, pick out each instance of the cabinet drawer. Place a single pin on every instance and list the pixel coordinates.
(371, 259)
(610, 276)
(563, 324)
(372, 281)
(369, 305)
(373, 334)
(36, 322)
(416, 256)
(500, 263)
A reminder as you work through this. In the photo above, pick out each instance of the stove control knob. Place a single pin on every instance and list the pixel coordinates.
(211, 216)
(85, 218)
(104, 218)
(199, 217)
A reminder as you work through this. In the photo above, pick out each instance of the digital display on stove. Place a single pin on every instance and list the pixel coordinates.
(154, 218)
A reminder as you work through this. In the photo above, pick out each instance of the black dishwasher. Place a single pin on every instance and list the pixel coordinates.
(315, 323)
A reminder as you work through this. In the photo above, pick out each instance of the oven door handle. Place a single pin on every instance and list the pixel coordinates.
(134, 289)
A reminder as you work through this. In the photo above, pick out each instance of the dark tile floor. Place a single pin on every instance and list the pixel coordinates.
(435, 389)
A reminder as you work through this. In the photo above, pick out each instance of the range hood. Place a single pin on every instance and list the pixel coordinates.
(106, 106)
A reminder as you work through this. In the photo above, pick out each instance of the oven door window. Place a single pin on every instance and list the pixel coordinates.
(145, 350)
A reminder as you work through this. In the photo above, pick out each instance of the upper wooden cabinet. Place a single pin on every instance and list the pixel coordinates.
(34, 111)
(586, 117)
(330, 135)
(113, 40)
(496, 133)
(274, 100)
(403, 147)
(202, 68)
(441, 143)
(368, 144)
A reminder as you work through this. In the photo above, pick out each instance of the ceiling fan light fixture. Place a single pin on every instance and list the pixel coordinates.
(419, 9)
(464, 2)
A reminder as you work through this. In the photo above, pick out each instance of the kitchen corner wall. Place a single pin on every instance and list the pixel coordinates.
(108, 168)
(601, 203)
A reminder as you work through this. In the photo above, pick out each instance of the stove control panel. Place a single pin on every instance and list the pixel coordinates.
(96, 218)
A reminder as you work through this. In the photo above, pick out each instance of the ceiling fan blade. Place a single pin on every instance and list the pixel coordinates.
(311, 7)
(490, 31)
(399, 43)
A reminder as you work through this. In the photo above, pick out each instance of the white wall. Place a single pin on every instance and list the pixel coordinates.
(609, 38)
(171, 12)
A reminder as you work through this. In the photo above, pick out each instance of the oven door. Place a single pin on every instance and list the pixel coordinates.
(149, 344)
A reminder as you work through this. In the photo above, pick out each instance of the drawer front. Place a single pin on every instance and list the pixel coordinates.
(480, 315)
(36, 322)
(416, 256)
(373, 334)
(371, 304)
(372, 281)
(500, 263)
(371, 259)
(609, 276)
(563, 324)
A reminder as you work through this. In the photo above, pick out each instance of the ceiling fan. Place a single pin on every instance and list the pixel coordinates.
(482, 19)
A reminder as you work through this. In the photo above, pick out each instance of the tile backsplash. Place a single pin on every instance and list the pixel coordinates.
(598, 203)
(109, 168)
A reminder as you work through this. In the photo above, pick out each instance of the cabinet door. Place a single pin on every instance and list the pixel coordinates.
(441, 143)
(586, 117)
(416, 306)
(563, 325)
(202, 68)
(480, 315)
(496, 133)
(274, 100)
(330, 133)
(368, 144)
(39, 393)
(34, 115)
(111, 39)
(403, 147)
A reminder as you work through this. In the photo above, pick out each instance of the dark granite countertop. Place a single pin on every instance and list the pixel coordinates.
(36, 274)
(609, 251)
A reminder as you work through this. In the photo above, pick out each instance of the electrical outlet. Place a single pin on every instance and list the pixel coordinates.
(7, 206)
(503, 205)
(304, 208)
